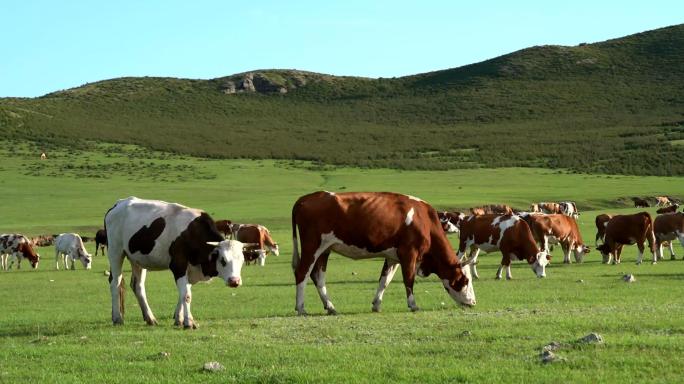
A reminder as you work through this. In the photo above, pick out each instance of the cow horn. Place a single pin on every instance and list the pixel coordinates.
(213, 243)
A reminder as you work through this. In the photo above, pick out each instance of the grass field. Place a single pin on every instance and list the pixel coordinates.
(55, 325)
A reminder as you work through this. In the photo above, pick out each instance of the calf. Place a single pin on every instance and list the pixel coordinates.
(667, 228)
(626, 230)
(506, 233)
(17, 247)
(100, 241)
(669, 209)
(558, 229)
(403, 230)
(262, 240)
(158, 235)
(569, 208)
(69, 247)
(450, 221)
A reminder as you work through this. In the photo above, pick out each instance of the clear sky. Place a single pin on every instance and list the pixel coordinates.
(57, 44)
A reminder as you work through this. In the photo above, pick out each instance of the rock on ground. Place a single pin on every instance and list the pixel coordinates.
(213, 366)
(592, 338)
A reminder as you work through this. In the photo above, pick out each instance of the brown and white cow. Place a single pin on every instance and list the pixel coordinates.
(450, 220)
(557, 229)
(157, 235)
(569, 208)
(546, 207)
(100, 241)
(669, 209)
(498, 209)
(662, 201)
(16, 247)
(403, 230)
(667, 228)
(262, 240)
(627, 230)
(506, 233)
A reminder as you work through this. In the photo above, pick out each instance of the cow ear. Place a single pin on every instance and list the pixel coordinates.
(213, 243)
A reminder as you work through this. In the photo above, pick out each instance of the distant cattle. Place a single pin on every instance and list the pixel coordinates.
(69, 248)
(506, 233)
(669, 209)
(157, 235)
(16, 247)
(42, 240)
(497, 209)
(225, 227)
(545, 207)
(662, 201)
(569, 208)
(403, 230)
(558, 229)
(262, 240)
(668, 228)
(450, 220)
(640, 203)
(100, 241)
(626, 230)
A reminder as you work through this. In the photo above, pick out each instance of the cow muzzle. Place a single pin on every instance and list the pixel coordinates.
(234, 282)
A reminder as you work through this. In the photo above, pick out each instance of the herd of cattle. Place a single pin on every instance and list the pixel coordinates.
(404, 230)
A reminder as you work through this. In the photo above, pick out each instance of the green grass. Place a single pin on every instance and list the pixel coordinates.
(609, 107)
(55, 325)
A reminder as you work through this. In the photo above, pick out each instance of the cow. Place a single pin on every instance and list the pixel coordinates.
(662, 201)
(558, 229)
(157, 235)
(569, 208)
(547, 208)
(225, 227)
(69, 247)
(499, 209)
(669, 209)
(601, 222)
(640, 203)
(100, 241)
(404, 230)
(627, 230)
(667, 228)
(450, 220)
(42, 241)
(261, 237)
(506, 233)
(16, 246)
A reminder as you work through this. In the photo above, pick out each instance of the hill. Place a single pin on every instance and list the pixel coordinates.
(610, 107)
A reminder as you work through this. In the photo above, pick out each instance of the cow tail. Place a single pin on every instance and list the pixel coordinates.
(295, 245)
(122, 296)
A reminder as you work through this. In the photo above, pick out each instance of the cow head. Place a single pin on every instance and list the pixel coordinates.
(274, 249)
(580, 251)
(541, 261)
(450, 222)
(458, 285)
(85, 258)
(28, 253)
(229, 259)
(605, 252)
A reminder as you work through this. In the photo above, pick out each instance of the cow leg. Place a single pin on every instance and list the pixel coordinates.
(318, 277)
(474, 254)
(408, 271)
(389, 268)
(507, 263)
(566, 253)
(73, 262)
(138, 276)
(262, 257)
(310, 253)
(116, 285)
(640, 257)
(671, 247)
(184, 301)
(498, 272)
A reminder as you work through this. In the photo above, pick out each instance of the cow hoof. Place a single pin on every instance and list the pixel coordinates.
(332, 311)
(654, 262)
(673, 257)
(498, 278)
(376, 309)
(151, 321)
(302, 313)
(639, 263)
(509, 278)
(117, 322)
(415, 309)
(192, 325)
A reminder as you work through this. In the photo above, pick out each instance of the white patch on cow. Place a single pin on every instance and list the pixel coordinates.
(409, 216)
(330, 193)
(539, 266)
(329, 240)
(414, 198)
(384, 282)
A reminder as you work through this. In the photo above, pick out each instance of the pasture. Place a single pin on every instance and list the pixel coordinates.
(55, 325)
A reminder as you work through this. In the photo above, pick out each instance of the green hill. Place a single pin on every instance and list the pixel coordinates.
(615, 106)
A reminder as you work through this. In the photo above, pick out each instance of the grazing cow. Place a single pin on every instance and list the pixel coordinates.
(669, 209)
(225, 227)
(569, 208)
(627, 230)
(69, 247)
(403, 230)
(100, 241)
(498, 209)
(557, 229)
(547, 208)
(450, 220)
(42, 241)
(662, 201)
(667, 228)
(601, 223)
(157, 235)
(262, 240)
(506, 233)
(17, 247)
(640, 203)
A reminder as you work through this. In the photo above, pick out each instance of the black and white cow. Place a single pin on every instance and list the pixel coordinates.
(68, 248)
(157, 235)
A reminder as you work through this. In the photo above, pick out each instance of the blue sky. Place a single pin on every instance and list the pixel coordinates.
(52, 45)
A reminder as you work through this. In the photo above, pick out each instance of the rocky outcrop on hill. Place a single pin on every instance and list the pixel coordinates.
(273, 81)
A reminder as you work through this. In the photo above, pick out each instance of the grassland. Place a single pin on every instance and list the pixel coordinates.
(608, 107)
(55, 325)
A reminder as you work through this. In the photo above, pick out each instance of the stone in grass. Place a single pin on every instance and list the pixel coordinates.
(550, 357)
(592, 338)
(552, 346)
(628, 278)
(213, 366)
